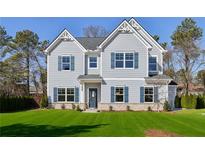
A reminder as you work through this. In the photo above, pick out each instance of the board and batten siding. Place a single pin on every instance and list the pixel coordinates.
(64, 78)
(125, 43)
(133, 89)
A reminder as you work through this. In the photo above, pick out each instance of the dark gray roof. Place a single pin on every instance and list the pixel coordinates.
(161, 76)
(90, 77)
(90, 43)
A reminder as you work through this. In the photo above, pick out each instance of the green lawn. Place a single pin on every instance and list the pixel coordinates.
(73, 123)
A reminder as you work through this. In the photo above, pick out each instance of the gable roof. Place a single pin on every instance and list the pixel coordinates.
(90, 43)
(125, 26)
(64, 35)
(148, 36)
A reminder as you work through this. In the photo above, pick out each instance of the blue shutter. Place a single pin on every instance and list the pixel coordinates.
(76, 94)
(112, 94)
(156, 99)
(72, 63)
(112, 60)
(126, 94)
(59, 63)
(55, 94)
(136, 59)
(141, 94)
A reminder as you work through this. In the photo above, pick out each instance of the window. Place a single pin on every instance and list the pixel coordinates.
(119, 60)
(70, 94)
(66, 63)
(92, 62)
(119, 94)
(129, 60)
(124, 60)
(149, 94)
(152, 64)
(61, 94)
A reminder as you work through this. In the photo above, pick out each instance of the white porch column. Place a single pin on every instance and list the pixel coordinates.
(82, 92)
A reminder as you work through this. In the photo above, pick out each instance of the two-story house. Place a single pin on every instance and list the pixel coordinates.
(123, 70)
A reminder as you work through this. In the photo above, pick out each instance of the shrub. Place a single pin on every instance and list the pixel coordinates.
(189, 101)
(73, 106)
(78, 108)
(44, 102)
(16, 103)
(200, 102)
(166, 106)
(110, 108)
(177, 102)
(149, 109)
(128, 108)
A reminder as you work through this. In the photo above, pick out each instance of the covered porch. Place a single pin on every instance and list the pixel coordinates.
(90, 90)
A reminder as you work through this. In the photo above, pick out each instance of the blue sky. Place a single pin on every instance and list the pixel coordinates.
(48, 28)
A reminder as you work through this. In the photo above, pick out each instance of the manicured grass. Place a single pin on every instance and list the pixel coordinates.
(73, 123)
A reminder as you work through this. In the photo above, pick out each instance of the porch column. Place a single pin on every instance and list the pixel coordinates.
(82, 92)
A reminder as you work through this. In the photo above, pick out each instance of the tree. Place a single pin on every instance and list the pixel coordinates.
(185, 40)
(27, 51)
(94, 31)
(201, 77)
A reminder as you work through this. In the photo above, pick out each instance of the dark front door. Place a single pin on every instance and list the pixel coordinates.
(93, 97)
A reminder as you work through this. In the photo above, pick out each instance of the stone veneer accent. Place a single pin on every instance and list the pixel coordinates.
(114, 106)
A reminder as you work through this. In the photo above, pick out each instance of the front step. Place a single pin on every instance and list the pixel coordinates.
(91, 110)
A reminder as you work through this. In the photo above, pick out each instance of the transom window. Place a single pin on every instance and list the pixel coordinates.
(92, 62)
(152, 64)
(66, 63)
(148, 94)
(119, 94)
(124, 60)
(66, 94)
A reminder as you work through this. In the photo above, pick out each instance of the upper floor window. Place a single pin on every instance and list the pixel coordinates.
(152, 64)
(93, 62)
(124, 60)
(66, 63)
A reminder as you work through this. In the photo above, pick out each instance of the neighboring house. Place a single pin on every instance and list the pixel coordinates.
(194, 89)
(123, 69)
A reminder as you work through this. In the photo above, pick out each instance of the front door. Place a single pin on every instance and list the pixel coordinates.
(92, 97)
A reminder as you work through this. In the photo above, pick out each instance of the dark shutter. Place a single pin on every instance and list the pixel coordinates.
(72, 63)
(126, 94)
(112, 94)
(156, 99)
(136, 58)
(55, 94)
(59, 63)
(141, 94)
(76, 94)
(112, 60)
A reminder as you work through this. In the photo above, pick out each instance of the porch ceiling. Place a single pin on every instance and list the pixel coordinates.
(90, 78)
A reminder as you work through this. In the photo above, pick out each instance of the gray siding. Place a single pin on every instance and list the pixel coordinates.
(124, 43)
(64, 78)
(92, 71)
(133, 85)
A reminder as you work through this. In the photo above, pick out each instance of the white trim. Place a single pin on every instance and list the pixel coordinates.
(139, 27)
(142, 40)
(124, 60)
(88, 93)
(126, 79)
(66, 63)
(123, 87)
(157, 69)
(66, 94)
(67, 37)
(89, 62)
(48, 86)
(149, 94)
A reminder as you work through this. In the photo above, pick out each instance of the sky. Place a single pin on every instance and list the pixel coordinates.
(48, 28)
